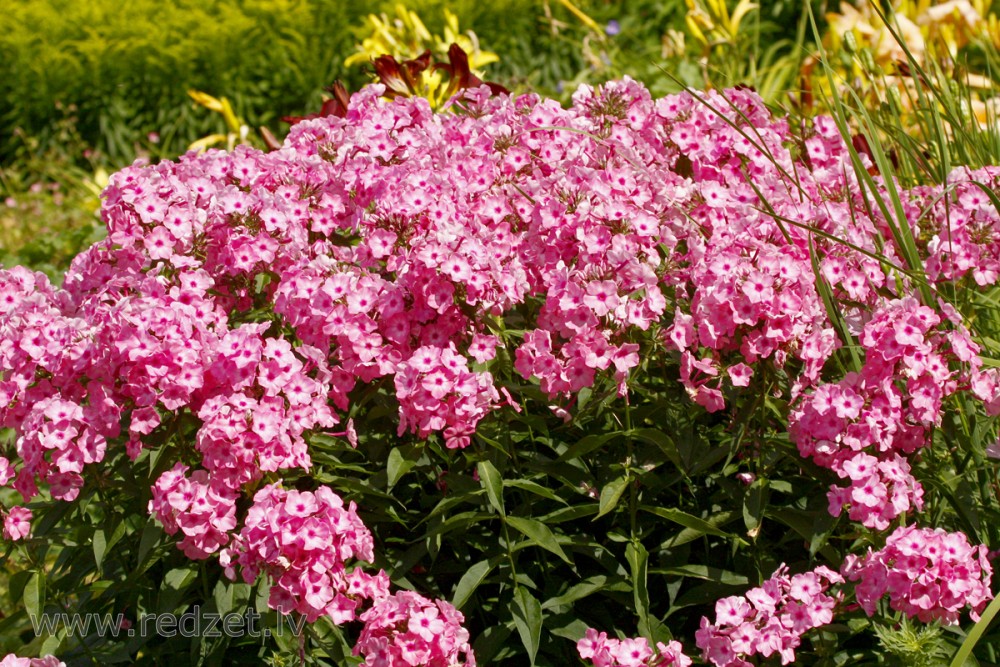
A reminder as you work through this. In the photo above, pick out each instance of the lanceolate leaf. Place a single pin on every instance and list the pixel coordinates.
(490, 478)
(539, 533)
(528, 620)
(470, 581)
(611, 494)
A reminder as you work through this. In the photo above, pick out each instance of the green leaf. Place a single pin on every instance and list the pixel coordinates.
(460, 521)
(704, 572)
(700, 526)
(470, 581)
(610, 495)
(638, 559)
(532, 487)
(569, 513)
(223, 595)
(16, 584)
(965, 650)
(51, 644)
(754, 504)
(490, 478)
(397, 466)
(572, 629)
(151, 535)
(34, 595)
(539, 533)
(528, 620)
(178, 578)
(661, 440)
(100, 544)
(492, 640)
(581, 590)
(587, 445)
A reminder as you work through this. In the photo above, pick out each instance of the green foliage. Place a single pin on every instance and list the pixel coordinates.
(126, 70)
(127, 67)
(48, 205)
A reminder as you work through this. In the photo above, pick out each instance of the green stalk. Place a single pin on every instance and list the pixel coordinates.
(971, 639)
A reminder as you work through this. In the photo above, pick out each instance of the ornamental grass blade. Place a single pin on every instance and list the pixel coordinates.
(971, 639)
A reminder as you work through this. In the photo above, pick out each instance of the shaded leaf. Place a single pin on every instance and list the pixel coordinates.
(700, 526)
(539, 533)
(611, 494)
(661, 440)
(588, 444)
(532, 487)
(528, 620)
(34, 595)
(470, 581)
(490, 478)
(581, 590)
(100, 545)
(397, 465)
(638, 559)
(704, 572)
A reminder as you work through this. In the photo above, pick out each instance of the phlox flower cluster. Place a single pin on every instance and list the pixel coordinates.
(42, 350)
(203, 511)
(746, 286)
(770, 619)
(302, 541)
(437, 392)
(601, 651)
(964, 246)
(408, 630)
(928, 574)
(865, 426)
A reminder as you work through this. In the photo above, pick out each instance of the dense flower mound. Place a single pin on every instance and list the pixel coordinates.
(770, 619)
(929, 574)
(248, 294)
(597, 649)
(408, 629)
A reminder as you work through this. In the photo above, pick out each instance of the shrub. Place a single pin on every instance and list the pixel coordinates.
(546, 364)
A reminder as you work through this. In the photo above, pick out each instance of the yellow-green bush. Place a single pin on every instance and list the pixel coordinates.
(127, 66)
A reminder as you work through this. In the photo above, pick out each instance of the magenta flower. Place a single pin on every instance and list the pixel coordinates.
(17, 523)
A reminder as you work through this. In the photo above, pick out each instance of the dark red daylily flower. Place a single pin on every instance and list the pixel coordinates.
(401, 79)
(334, 106)
(460, 76)
(862, 147)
